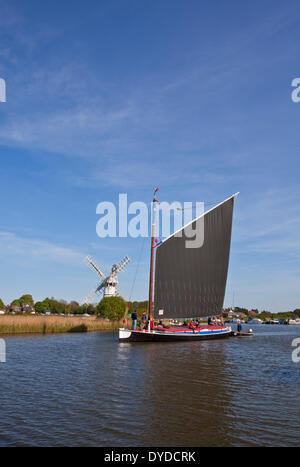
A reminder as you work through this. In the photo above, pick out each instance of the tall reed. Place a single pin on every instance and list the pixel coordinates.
(19, 324)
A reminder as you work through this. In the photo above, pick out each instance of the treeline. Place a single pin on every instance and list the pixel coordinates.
(284, 315)
(113, 308)
(63, 307)
(49, 305)
(264, 314)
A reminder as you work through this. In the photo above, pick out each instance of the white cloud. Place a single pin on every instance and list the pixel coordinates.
(273, 214)
(20, 249)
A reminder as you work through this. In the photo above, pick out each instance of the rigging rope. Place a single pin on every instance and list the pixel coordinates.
(137, 267)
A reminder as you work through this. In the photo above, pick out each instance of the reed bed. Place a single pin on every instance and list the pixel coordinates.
(19, 324)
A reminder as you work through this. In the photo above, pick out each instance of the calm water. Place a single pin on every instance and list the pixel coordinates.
(87, 389)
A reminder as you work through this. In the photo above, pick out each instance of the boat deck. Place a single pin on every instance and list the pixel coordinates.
(181, 329)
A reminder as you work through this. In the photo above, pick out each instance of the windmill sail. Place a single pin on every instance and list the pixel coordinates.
(190, 282)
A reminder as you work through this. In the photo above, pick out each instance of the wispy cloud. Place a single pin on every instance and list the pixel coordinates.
(270, 212)
(65, 108)
(74, 132)
(29, 251)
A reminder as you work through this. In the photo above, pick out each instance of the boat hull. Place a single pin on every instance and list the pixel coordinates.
(242, 334)
(130, 335)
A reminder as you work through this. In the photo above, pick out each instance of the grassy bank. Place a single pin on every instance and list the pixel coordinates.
(18, 324)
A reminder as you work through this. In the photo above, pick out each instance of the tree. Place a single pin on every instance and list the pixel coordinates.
(74, 308)
(15, 302)
(26, 300)
(112, 308)
(57, 307)
(1, 304)
(40, 307)
(88, 308)
(91, 309)
(78, 310)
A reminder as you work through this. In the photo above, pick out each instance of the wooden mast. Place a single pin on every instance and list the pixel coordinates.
(150, 306)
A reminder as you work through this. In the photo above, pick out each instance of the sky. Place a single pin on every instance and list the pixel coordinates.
(122, 96)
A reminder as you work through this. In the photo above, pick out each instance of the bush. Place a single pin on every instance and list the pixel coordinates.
(112, 308)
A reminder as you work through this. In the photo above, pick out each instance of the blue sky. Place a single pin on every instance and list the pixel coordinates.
(121, 96)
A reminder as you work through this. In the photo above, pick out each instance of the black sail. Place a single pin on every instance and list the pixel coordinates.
(191, 282)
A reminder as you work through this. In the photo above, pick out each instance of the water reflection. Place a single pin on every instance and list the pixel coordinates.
(87, 389)
(186, 384)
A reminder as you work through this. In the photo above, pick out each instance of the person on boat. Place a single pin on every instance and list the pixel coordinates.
(209, 321)
(134, 319)
(239, 326)
(143, 323)
(192, 326)
(144, 317)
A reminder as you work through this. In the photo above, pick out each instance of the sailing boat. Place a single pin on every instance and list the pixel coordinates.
(189, 282)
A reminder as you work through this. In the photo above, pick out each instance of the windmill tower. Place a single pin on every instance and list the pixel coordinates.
(109, 284)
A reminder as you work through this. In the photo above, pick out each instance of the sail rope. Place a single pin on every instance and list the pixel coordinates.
(137, 268)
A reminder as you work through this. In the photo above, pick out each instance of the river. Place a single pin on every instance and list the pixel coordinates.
(89, 390)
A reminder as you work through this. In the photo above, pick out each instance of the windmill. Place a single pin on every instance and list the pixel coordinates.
(108, 284)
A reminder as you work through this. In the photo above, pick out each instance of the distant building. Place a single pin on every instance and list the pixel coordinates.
(28, 309)
(253, 313)
(241, 315)
(231, 314)
(228, 314)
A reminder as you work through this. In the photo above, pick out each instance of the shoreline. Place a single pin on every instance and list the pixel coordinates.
(32, 324)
